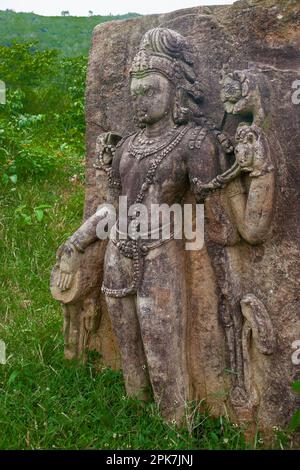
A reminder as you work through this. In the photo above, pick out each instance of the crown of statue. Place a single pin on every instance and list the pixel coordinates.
(145, 62)
(165, 51)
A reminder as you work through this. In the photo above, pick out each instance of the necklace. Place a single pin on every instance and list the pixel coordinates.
(141, 146)
(132, 248)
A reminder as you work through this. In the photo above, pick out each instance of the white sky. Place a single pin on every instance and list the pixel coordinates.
(103, 7)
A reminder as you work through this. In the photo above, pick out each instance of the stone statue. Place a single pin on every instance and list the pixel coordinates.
(144, 282)
(250, 199)
(143, 278)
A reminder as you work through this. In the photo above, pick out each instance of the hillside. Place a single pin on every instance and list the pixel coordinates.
(70, 34)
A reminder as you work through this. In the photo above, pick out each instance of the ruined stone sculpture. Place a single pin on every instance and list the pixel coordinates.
(144, 279)
(250, 203)
(218, 126)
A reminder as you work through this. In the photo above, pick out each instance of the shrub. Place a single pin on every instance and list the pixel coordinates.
(44, 108)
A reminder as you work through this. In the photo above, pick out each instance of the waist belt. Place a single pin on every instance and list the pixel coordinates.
(136, 249)
(127, 245)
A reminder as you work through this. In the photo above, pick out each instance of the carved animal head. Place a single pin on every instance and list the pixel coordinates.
(242, 92)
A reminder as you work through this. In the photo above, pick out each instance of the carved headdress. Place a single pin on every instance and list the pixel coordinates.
(165, 51)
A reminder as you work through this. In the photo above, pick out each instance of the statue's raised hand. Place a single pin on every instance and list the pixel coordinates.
(252, 151)
(68, 258)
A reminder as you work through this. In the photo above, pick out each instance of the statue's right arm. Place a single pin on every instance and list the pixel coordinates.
(86, 234)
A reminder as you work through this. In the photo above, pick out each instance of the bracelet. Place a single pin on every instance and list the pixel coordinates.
(262, 171)
(77, 245)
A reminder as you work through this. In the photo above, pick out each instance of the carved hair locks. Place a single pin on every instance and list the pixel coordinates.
(165, 51)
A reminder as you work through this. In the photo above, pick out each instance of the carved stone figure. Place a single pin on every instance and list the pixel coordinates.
(144, 279)
(217, 323)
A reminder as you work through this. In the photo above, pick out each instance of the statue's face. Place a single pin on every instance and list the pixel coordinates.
(152, 97)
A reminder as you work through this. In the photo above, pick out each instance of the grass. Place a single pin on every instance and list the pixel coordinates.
(45, 401)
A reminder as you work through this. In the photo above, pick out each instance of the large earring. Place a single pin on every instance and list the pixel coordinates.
(176, 110)
(181, 114)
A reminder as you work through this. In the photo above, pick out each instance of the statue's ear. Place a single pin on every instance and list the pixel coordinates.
(181, 112)
(113, 138)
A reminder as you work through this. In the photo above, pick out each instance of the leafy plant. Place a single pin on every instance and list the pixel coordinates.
(295, 421)
(29, 216)
(45, 97)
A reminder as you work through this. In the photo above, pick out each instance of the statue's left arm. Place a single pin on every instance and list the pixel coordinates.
(202, 162)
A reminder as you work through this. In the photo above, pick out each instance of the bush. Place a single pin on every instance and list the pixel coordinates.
(45, 97)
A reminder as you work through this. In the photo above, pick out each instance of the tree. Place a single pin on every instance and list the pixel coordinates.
(65, 13)
(91, 13)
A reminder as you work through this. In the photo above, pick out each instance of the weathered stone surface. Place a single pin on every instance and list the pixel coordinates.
(262, 36)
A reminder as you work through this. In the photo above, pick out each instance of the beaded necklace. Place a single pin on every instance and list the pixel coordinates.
(132, 248)
(140, 147)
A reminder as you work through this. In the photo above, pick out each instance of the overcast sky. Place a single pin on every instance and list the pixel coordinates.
(103, 7)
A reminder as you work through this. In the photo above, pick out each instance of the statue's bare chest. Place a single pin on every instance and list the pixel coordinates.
(168, 179)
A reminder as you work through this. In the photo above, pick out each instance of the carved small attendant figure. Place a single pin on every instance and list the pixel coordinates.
(250, 199)
(249, 204)
(144, 280)
(252, 202)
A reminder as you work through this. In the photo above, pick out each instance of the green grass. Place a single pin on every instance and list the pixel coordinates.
(69, 34)
(45, 401)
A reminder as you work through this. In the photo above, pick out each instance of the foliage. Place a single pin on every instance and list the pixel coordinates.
(295, 421)
(70, 34)
(45, 97)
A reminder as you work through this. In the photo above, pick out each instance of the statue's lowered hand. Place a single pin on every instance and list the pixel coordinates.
(68, 258)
